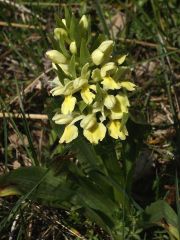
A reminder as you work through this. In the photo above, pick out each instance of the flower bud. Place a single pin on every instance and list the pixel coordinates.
(97, 57)
(106, 46)
(121, 59)
(102, 52)
(88, 121)
(56, 57)
(73, 47)
(64, 21)
(60, 32)
(109, 101)
(84, 22)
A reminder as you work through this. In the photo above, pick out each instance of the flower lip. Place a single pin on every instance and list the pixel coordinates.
(70, 133)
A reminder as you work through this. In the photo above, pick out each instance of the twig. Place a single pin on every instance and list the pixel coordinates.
(168, 114)
(13, 227)
(32, 85)
(20, 25)
(77, 234)
(27, 115)
(146, 44)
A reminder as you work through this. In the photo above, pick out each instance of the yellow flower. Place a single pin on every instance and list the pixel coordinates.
(96, 133)
(128, 85)
(88, 121)
(110, 83)
(62, 118)
(109, 101)
(120, 107)
(63, 90)
(87, 95)
(70, 133)
(117, 130)
(107, 68)
(68, 105)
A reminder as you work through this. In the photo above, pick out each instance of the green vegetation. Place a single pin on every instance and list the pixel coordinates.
(117, 189)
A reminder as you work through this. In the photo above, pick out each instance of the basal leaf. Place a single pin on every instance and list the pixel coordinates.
(160, 213)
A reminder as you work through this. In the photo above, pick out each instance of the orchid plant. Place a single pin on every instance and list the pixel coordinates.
(90, 95)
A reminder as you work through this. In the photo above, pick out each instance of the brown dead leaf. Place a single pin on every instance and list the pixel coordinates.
(16, 164)
(15, 140)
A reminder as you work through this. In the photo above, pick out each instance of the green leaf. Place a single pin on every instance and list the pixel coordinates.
(67, 16)
(60, 73)
(82, 105)
(73, 30)
(65, 52)
(160, 213)
(84, 53)
(48, 188)
(72, 66)
(86, 155)
(58, 21)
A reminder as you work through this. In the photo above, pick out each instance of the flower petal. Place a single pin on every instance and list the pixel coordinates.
(63, 90)
(109, 101)
(106, 46)
(113, 128)
(62, 119)
(117, 130)
(87, 95)
(120, 107)
(121, 59)
(78, 83)
(128, 85)
(68, 105)
(70, 133)
(110, 83)
(97, 57)
(107, 68)
(123, 101)
(96, 133)
(88, 121)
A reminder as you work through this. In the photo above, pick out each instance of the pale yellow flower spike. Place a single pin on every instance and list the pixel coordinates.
(68, 105)
(87, 95)
(96, 133)
(94, 88)
(70, 133)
